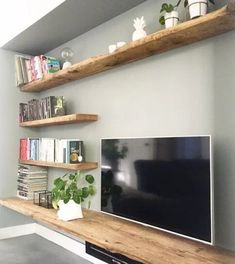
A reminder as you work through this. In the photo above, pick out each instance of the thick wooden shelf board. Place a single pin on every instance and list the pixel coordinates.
(144, 244)
(212, 24)
(75, 166)
(60, 120)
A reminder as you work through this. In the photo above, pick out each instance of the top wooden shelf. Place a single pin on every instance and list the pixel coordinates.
(138, 242)
(212, 24)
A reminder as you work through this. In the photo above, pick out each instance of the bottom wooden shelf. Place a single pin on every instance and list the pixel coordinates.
(138, 242)
(69, 166)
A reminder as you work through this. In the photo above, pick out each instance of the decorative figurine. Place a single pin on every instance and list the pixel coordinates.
(67, 55)
(139, 25)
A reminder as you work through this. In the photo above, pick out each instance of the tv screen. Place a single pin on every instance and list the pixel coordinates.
(163, 182)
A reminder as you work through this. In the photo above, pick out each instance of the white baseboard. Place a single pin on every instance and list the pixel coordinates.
(16, 231)
(67, 243)
(70, 244)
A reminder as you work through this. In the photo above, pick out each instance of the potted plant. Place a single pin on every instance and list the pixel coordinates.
(197, 8)
(171, 16)
(69, 192)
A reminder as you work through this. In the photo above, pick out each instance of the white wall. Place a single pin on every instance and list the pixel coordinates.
(9, 134)
(189, 90)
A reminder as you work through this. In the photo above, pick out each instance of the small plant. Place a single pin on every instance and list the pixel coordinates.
(73, 186)
(167, 8)
(186, 2)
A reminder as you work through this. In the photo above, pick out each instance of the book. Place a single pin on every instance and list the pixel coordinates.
(57, 106)
(23, 112)
(31, 179)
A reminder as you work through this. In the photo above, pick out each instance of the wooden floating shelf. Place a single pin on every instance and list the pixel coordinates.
(138, 242)
(69, 166)
(60, 120)
(212, 24)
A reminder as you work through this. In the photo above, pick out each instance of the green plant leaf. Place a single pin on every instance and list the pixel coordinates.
(164, 7)
(72, 176)
(77, 196)
(66, 198)
(89, 178)
(73, 186)
(162, 20)
(170, 8)
(85, 192)
(91, 190)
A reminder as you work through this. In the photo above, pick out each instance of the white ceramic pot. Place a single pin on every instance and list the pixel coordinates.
(69, 211)
(171, 19)
(197, 8)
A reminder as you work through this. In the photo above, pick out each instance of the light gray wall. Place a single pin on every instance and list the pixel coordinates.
(224, 112)
(189, 90)
(9, 134)
(186, 91)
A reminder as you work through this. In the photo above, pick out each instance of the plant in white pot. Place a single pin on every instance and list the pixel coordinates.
(197, 8)
(69, 192)
(171, 16)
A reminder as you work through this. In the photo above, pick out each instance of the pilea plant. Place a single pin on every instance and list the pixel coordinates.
(73, 186)
(167, 8)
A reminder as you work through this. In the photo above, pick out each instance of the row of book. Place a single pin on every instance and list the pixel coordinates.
(31, 179)
(52, 150)
(47, 107)
(29, 68)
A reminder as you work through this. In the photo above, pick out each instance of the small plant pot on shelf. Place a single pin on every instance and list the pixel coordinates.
(197, 8)
(69, 211)
(171, 19)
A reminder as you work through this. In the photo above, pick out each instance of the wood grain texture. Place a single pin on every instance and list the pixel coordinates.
(142, 243)
(212, 24)
(75, 166)
(60, 120)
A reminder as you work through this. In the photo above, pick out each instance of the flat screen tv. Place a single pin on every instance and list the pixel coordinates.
(164, 182)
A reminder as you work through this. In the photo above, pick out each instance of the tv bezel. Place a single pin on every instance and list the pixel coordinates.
(212, 229)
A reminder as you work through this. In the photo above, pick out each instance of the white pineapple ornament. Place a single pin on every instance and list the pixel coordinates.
(139, 25)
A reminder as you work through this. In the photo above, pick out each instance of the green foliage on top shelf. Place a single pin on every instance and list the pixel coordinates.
(167, 8)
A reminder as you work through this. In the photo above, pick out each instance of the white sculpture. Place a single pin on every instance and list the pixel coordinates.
(139, 25)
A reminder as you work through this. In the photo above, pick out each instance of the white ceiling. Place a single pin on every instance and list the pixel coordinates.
(67, 21)
(17, 15)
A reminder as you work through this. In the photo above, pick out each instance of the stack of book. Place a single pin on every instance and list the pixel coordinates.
(30, 68)
(52, 150)
(31, 179)
(43, 108)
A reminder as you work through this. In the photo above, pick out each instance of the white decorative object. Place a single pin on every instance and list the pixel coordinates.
(197, 8)
(112, 48)
(171, 19)
(69, 211)
(120, 44)
(67, 55)
(139, 25)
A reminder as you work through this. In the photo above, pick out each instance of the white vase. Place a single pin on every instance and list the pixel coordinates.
(69, 211)
(171, 19)
(138, 34)
(197, 8)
